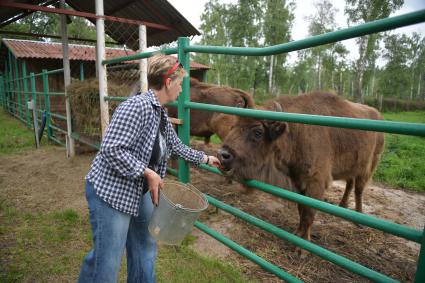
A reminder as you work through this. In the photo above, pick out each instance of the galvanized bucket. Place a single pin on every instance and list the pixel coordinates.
(179, 207)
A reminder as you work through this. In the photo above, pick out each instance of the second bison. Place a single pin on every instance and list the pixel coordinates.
(310, 156)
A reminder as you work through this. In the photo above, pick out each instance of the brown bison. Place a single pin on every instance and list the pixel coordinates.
(206, 123)
(310, 156)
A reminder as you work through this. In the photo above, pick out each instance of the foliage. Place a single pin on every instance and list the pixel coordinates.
(395, 104)
(402, 163)
(244, 25)
(362, 11)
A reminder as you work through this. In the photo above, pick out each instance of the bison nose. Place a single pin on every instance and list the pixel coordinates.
(225, 157)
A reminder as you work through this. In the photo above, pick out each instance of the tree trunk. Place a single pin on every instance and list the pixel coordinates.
(412, 82)
(318, 82)
(271, 74)
(360, 65)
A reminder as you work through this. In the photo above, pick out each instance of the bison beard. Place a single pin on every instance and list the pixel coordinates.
(305, 158)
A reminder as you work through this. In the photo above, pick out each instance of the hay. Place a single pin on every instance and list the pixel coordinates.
(85, 106)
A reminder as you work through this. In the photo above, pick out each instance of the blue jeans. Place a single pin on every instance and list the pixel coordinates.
(112, 232)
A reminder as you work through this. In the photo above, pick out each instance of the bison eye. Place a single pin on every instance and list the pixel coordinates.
(257, 133)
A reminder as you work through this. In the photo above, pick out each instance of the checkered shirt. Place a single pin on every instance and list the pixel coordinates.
(117, 170)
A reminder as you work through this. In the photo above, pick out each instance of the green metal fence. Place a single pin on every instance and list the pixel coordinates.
(418, 236)
(9, 87)
(18, 88)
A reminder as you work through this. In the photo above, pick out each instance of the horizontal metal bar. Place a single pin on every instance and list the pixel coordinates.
(247, 253)
(139, 56)
(77, 136)
(58, 116)
(404, 128)
(53, 72)
(172, 171)
(37, 92)
(115, 98)
(335, 36)
(348, 214)
(58, 129)
(57, 140)
(300, 242)
(52, 93)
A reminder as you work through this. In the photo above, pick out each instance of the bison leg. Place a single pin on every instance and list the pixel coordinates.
(358, 192)
(207, 140)
(308, 214)
(348, 188)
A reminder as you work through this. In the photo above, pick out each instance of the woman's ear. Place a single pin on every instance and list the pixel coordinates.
(167, 83)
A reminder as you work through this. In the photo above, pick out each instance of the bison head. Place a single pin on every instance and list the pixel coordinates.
(253, 148)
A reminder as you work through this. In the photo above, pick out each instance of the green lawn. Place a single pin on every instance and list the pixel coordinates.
(14, 136)
(402, 165)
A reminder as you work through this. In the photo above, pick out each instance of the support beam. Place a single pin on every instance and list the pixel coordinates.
(82, 14)
(70, 144)
(38, 35)
(143, 68)
(101, 69)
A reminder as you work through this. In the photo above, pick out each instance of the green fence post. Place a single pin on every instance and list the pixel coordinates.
(81, 71)
(6, 88)
(183, 113)
(420, 269)
(47, 102)
(2, 92)
(18, 87)
(11, 89)
(25, 83)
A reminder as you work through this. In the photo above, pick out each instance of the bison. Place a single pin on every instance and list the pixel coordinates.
(310, 156)
(205, 123)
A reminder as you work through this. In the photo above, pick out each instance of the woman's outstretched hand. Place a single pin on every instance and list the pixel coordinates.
(212, 160)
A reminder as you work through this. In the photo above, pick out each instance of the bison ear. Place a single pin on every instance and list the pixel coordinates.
(275, 129)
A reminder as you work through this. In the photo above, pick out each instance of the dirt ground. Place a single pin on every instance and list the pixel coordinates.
(45, 180)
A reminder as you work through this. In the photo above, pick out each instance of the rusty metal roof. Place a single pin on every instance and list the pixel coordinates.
(53, 50)
(158, 11)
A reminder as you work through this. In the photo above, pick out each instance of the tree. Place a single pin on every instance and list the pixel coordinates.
(277, 24)
(362, 11)
(396, 76)
(322, 21)
(215, 32)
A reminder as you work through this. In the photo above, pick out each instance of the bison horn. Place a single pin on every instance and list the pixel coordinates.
(278, 107)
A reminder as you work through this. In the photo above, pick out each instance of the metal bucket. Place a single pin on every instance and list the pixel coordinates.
(179, 207)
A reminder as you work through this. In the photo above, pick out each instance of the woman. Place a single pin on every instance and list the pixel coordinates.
(131, 161)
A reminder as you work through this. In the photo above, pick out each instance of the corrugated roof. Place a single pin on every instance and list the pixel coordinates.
(53, 50)
(158, 11)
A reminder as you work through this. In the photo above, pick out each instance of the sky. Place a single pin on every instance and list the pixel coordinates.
(192, 10)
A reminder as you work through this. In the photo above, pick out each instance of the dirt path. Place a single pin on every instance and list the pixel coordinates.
(45, 180)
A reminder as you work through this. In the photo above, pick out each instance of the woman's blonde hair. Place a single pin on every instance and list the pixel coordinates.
(160, 67)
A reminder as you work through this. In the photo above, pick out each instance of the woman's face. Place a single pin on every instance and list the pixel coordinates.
(175, 88)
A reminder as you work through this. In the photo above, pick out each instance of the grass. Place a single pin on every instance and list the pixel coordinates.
(15, 135)
(49, 247)
(402, 163)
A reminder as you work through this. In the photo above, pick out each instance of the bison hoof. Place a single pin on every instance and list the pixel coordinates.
(302, 254)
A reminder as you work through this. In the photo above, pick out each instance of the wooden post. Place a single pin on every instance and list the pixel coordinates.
(70, 144)
(101, 69)
(143, 65)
